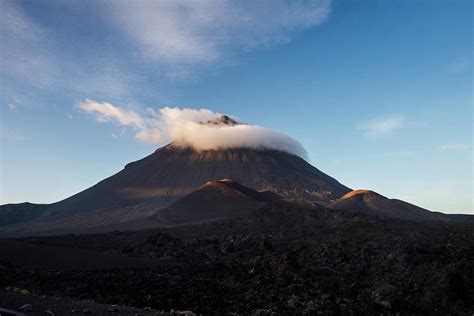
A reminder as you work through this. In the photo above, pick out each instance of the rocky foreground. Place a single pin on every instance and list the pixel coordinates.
(286, 259)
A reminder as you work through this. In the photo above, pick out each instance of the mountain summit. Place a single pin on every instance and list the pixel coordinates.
(222, 120)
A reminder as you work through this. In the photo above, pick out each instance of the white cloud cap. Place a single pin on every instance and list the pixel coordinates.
(189, 127)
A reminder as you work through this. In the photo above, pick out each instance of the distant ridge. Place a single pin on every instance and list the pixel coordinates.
(370, 202)
(22, 212)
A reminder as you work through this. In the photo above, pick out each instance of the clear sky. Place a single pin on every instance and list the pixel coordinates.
(378, 92)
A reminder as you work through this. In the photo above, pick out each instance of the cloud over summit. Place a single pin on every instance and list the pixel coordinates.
(190, 127)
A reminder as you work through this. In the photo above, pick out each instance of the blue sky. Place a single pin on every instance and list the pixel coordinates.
(378, 92)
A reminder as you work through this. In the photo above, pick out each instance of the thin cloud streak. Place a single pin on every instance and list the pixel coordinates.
(453, 147)
(460, 65)
(382, 126)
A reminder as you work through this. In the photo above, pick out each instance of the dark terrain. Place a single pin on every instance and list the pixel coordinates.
(22, 212)
(287, 258)
(135, 193)
(280, 238)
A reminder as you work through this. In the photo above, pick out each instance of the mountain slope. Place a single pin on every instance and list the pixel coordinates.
(214, 200)
(172, 172)
(370, 202)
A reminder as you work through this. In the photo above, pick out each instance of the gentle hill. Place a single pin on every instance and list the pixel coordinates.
(370, 202)
(215, 200)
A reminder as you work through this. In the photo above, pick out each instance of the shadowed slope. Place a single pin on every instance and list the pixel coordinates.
(21, 212)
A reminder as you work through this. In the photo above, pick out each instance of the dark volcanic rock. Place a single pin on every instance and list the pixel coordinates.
(48, 305)
(287, 258)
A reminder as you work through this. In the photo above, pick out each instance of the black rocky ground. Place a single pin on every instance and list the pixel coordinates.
(31, 304)
(287, 259)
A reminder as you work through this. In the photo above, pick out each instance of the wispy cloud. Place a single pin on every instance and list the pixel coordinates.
(30, 57)
(396, 154)
(180, 34)
(454, 147)
(105, 112)
(23, 41)
(145, 127)
(174, 38)
(12, 107)
(459, 65)
(382, 126)
(8, 134)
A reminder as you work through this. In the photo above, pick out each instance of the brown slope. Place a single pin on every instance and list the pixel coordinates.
(370, 202)
(172, 172)
(215, 200)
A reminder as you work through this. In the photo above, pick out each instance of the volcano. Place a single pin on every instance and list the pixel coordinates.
(171, 172)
